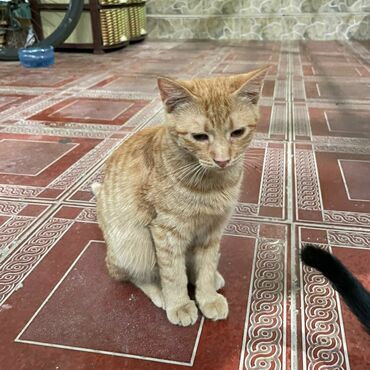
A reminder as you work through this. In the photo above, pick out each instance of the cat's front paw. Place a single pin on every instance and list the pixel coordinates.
(184, 315)
(215, 308)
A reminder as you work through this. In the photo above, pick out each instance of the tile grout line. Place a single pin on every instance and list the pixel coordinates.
(290, 199)
(287, 185)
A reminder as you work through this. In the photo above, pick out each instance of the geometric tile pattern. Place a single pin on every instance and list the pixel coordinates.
(306, 180)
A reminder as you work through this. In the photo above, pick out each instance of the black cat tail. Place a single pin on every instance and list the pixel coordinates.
(352, 291)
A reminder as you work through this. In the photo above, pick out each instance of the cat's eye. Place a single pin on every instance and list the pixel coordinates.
(200, 137)
(237, 133)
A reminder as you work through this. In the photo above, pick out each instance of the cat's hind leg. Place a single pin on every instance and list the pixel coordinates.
(153, 291)
(219, 281)
(131, 257)
(116, 272)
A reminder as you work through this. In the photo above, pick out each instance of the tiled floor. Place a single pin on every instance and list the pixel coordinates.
(308, 180)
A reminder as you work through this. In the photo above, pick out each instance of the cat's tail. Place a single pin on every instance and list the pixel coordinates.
(95, 187)
(352, 291)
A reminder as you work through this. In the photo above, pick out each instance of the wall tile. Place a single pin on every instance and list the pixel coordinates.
(214, 28)
(259, 19)
(166, 7)
(323, 6)
(220, 7)
(249, 7)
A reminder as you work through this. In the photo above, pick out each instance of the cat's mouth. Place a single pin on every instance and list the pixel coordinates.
(206, 164)
(214, 166)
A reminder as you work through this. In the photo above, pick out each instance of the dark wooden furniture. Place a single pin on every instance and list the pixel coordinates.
(104, 24)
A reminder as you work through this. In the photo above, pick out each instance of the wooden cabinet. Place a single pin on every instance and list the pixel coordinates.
(104, 24)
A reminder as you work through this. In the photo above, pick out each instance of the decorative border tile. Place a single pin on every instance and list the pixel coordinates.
(10, 231)
(265, 333)
(11, 208)
(323, 341)
(273, 179)
(16, 191)
(14, 270)
(347, 218)
(242, 228)
(308, 188)
(349, 238)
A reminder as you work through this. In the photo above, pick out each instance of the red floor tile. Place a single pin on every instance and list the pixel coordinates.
(44, 78)
(114, 112)
(334, 90)
(12, 100)
(332, 185)
(128, 83)
(339, 122)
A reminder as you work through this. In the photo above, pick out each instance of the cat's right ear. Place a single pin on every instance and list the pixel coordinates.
(173, 94)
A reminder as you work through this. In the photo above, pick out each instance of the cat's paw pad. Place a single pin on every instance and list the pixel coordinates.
(219, 281)
(216, 308)
(185, 315)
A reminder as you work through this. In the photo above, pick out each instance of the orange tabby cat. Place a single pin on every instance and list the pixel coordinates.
(169, 191)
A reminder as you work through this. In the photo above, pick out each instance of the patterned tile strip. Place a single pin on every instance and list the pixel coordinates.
(308, 193)
(265, 323)
(349, 238)
(322, 336)
(16, 268)
(273, 189)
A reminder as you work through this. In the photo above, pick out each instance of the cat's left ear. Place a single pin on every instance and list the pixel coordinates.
(174, 95)
(248, 86)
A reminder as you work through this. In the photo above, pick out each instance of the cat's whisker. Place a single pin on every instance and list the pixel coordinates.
(250, 162)
(199, 177)
(206, 164)
(184, 173)
(178, 179)
(204, 171)
(239, 157)
(188, 174)
(177, 171)
(194, 175)
(253, 163)
(175, 168)
(225, 196)
(253, 169)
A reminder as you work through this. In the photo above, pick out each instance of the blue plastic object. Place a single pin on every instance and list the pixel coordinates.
(36, 57)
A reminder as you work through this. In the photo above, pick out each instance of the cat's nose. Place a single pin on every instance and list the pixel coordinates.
(222, 163)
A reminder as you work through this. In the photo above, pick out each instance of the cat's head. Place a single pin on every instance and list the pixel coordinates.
(213, 119)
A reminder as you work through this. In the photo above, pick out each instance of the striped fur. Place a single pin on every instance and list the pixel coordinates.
(164, 201)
